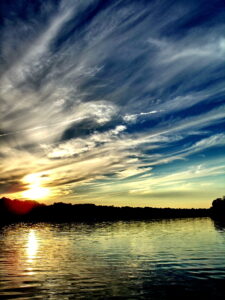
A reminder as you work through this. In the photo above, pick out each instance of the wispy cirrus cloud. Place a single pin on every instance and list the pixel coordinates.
(112, 93)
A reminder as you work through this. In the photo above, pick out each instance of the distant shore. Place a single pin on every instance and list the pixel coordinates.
(32, 211)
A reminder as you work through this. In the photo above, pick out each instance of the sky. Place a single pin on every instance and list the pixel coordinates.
(113, 102)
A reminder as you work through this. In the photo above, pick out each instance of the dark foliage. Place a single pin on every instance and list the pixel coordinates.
(218, 208)
(32, 211)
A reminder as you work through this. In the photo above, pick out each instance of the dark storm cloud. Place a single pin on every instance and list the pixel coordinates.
(10, 186)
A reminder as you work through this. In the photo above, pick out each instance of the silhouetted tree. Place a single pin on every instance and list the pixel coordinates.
(31, 211)
(218, 208)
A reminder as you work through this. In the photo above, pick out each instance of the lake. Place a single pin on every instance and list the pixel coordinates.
(166, 259)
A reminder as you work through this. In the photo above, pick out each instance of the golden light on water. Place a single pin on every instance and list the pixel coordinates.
(32, 246)
(35, 191)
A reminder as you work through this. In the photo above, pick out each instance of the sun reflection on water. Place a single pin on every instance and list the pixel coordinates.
(32, 246)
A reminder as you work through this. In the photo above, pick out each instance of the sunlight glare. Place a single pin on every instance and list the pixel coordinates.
(35, 190)
(32, 246)
(32, 179)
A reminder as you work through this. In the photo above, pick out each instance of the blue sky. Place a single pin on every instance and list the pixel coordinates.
(113, 102)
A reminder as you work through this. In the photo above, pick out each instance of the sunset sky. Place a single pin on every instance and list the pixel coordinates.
(113, 102)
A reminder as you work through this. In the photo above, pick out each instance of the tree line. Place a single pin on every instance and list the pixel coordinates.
(32, 211)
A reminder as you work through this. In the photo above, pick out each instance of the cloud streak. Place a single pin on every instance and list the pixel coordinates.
(112, 95)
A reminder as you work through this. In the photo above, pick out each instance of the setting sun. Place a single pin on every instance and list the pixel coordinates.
(35, 191)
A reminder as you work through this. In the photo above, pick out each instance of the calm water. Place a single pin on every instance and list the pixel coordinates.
(132, 260)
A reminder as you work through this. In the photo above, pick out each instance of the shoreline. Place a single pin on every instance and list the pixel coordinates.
(13, 211)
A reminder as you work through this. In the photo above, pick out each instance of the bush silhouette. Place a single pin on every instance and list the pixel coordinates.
(218, 207)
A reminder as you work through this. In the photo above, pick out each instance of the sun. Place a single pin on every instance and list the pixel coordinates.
(36, 193)
(35, 190)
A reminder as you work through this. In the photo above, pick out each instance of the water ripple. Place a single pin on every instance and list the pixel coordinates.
(132, 260)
